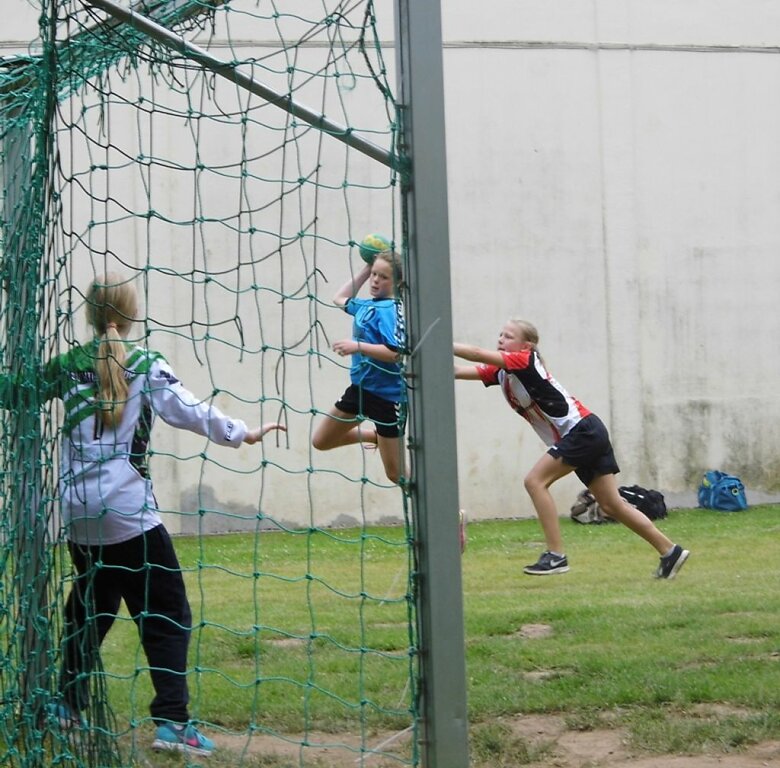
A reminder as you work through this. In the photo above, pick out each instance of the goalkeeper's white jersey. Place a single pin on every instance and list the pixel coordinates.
(105, 489)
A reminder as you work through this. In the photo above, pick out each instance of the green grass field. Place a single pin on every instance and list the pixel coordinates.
(604, 643)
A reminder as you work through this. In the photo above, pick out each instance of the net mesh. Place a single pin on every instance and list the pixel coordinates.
(237, 218)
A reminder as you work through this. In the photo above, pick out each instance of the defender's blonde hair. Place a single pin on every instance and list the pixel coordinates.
(530, 334)
(112, 304)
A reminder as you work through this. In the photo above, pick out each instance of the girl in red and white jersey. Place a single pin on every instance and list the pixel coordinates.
(578, 442)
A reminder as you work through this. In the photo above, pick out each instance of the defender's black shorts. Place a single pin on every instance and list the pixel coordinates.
(588, 449)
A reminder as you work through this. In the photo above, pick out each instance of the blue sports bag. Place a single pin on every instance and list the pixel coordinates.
(719, 490)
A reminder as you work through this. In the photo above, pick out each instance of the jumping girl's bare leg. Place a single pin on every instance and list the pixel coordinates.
(605, 490)
(391, 451)
(537, 483)
(338, 429)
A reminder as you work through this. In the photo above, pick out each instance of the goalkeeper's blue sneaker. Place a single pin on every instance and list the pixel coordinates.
(671, 563)
(67, 718)
(182, 738)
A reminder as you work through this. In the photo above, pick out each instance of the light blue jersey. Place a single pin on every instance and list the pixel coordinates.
(378, 321)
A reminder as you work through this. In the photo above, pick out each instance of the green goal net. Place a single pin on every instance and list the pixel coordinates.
(184, 144)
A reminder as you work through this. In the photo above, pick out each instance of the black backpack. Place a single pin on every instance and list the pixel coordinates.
(649, 502)
(587, 511)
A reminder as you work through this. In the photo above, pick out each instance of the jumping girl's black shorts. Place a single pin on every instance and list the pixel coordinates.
(386, 415)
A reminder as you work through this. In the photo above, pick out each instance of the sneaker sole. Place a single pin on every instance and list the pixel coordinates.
(70, 725)
(551, 572)
(684, 555)
(177, 746)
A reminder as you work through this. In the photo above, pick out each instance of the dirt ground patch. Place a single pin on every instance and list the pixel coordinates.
(605, 748)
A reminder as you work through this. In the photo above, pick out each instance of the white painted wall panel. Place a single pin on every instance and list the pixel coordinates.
(614, 176)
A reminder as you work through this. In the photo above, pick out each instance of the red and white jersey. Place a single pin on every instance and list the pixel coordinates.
(535, 394)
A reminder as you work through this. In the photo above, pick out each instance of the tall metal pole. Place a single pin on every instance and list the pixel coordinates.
(229, 71)
(432, 412)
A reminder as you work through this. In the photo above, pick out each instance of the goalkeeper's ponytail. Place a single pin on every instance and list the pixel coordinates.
(112, 304)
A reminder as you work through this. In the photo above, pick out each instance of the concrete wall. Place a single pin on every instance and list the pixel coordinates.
(628, 153)
(614, 176)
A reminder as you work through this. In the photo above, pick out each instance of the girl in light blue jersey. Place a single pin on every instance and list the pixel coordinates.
(111, 392)
(377, 392)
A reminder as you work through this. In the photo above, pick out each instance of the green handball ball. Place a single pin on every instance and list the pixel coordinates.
(372, 245)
